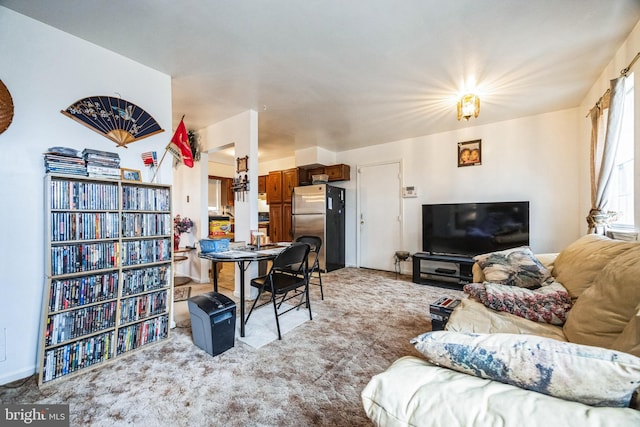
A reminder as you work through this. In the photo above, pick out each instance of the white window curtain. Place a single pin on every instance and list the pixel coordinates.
(603, 152)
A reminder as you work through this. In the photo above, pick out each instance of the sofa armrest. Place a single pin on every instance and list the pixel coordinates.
(414, 392)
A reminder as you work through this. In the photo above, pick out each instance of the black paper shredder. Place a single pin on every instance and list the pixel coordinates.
(213, 322)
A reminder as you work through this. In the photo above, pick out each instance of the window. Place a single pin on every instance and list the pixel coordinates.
(621, 189)
(215, 193)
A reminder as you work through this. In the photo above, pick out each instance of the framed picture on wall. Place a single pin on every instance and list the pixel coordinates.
(130, 174)
(470, 153)
(242, 164)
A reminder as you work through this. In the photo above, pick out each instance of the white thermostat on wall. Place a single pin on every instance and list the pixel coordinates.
(409, 191)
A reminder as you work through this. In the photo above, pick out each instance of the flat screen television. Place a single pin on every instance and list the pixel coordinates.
(469, 229)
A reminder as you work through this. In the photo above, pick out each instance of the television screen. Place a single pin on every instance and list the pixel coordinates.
(471, 229)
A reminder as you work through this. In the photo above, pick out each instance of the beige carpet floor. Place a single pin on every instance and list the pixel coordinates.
(314, 376)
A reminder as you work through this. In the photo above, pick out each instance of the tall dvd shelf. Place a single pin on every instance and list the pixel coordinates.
(108, 271)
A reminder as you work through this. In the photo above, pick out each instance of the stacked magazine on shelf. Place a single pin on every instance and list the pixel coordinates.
(102, 164)
(64, 160)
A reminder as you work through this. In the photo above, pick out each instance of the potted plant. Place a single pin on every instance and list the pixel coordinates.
(180, 225)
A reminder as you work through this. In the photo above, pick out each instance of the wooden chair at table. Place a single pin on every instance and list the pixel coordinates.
(284, 278)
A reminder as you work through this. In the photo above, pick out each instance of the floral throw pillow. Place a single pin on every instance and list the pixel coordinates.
(549, 304)
(515, 267)
(476, 291)
(592, 375)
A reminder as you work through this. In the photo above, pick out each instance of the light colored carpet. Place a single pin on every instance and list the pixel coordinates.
(313, 376)
(261, 328)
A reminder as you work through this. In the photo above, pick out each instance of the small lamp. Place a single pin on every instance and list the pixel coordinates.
(468, 105)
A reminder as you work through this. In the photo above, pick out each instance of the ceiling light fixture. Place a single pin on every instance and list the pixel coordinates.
(468, 105)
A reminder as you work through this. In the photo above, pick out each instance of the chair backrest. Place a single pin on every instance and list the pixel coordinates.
(314, 242)
(295, 254)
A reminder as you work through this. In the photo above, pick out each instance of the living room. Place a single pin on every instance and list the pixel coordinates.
(543, 158)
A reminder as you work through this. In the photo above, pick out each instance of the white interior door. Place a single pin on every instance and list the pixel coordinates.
(379, 215)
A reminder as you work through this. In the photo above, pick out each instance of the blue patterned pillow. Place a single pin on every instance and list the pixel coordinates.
(591, 375)
(514, 267)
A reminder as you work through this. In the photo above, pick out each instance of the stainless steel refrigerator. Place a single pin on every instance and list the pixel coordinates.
(318, 210)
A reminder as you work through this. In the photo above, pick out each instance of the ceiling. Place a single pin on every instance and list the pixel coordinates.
(348, 74)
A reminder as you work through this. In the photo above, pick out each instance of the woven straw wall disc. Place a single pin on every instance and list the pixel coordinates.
(6, 107)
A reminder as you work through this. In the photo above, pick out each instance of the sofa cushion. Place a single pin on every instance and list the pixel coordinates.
(590, 375)
(473, 316)
(604, 310)
(516, 267)
(546, 259)
(629, 340)
(414, 392)
(578, 265)
(548, 304)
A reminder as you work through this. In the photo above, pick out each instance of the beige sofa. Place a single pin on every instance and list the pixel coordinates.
(591, 357)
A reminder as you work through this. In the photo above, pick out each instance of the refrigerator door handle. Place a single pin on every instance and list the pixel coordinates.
(293, 212)
(293, 200)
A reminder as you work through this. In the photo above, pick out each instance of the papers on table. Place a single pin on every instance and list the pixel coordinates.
(234, 254)
(274, 251)
(247, 252)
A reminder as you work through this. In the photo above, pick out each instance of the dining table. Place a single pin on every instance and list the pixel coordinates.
(243, 257)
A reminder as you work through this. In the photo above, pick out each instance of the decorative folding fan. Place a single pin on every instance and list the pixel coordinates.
(6, 107)
(121, 121)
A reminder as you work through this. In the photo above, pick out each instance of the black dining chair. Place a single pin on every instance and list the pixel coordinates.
(289, 272)
(315, 275)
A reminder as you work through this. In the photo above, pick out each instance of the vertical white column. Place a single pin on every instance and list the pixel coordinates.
(246, 203)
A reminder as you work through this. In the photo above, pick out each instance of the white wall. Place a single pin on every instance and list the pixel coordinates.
(47, 70)
(240, 130)
(532, 158)
(315, 155)
(276, 165)
(189, 192)
(221, 169)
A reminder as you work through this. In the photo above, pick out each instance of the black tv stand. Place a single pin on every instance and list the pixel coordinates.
(449, 271)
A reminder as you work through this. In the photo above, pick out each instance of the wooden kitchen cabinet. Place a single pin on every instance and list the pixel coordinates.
(287, 231)
(280, 185)
(231, 195)
(289, 182)
(262, 184)
(304, 178)
(280, 223)
(275, 222)
(315, 171)
(339, 172)
(227, 196)
(274, 187)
